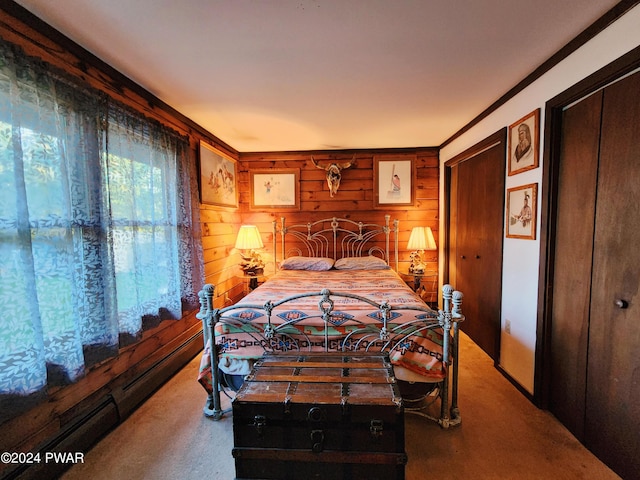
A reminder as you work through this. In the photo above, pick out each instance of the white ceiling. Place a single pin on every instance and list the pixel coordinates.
(272, 75)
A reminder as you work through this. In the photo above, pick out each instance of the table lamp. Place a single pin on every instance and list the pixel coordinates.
(247, 242)
(421, 239)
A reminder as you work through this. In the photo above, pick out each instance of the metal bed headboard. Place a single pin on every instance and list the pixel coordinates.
(337, 238)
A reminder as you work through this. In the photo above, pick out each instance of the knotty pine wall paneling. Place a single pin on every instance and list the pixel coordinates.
(221, 260)
(219, 226)
(355, 197)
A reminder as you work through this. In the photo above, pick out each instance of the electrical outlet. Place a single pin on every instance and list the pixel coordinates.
(507, 326)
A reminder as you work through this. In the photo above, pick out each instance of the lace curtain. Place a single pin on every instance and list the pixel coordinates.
(98, 219)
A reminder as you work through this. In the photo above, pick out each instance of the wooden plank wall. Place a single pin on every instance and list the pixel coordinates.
(221, 260)
(355, 197)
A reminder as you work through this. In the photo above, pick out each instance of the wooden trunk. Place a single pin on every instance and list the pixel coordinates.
(319, 416)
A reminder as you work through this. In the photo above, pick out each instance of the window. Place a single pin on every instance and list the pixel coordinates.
(141, 174)
(96, 219)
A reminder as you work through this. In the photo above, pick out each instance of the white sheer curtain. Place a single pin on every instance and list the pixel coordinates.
(98, 219)
(141, 169)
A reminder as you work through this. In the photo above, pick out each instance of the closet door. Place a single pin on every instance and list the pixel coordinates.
(595, 323)
(613, 374)
(475, 254)
(576, 202)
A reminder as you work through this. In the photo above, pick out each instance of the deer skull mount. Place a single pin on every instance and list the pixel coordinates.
(334, 173)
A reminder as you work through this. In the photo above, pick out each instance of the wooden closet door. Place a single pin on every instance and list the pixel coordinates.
(571, 292)
(613, 378)
(477, 253)
(595, 322)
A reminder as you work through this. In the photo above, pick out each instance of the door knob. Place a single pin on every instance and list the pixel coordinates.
(462, 257)
(621, 303)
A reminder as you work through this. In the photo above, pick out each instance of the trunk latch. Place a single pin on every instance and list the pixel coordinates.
(259, 421)
(375, 429)
(317, 441)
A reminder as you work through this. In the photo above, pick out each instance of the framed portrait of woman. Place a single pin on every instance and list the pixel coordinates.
(393, 182)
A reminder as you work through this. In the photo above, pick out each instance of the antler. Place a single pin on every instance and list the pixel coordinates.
(316, 163)
(341, 166)
(351, 162)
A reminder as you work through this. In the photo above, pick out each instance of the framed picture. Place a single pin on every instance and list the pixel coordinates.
(275, 189)
(218, 178)
(393, 182)
(521, 211)
(524, 139)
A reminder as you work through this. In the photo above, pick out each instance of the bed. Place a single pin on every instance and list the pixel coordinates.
(336, 289)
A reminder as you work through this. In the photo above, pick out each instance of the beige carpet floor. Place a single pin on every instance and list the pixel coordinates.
(502, 436)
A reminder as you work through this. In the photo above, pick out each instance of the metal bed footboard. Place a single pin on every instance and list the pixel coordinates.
(387, 337)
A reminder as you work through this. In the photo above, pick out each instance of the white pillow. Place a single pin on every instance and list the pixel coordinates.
(317, 264)
(361, 263)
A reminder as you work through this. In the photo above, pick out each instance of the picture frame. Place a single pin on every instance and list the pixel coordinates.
(218, 178)
(522, 207)
(275, 189)
(393, 180)
(524, 143)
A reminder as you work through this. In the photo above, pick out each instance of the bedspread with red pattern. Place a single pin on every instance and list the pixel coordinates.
(414, 338)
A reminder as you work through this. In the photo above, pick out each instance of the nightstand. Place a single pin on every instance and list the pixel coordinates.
(251, 282)
(426, 280)
(430, 278)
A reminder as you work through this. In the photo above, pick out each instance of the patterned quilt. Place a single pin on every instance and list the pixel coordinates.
(299, 324)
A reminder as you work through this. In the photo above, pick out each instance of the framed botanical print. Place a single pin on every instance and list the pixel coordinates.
(524, 143)
(521, 211)
(277, 189)
(218, 178)
(393, 182)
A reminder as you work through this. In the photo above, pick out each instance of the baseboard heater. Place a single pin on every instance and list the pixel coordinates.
(128, 397)
(83, 433)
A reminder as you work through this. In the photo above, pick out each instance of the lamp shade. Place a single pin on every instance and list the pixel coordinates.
(421, 238)
(249, 238)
